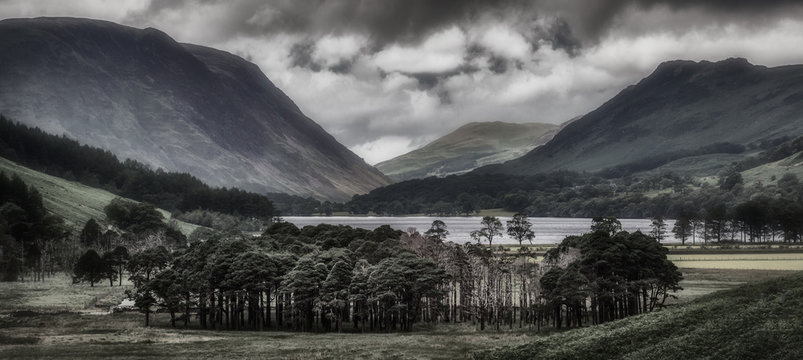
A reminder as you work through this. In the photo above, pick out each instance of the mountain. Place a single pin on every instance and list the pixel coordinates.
(696, 117)
(470, 146)
(180, 107)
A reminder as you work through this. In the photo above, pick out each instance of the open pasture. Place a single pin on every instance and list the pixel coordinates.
(739, 261)
(58, 319)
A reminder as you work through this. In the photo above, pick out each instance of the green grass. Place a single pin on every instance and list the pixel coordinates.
(769, 173)
(754, 261)
(58, 293)
(700, 282)
(57, 319)
(755, 321)
(73, 201)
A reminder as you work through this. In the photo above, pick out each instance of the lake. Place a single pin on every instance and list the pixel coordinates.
(547, 230)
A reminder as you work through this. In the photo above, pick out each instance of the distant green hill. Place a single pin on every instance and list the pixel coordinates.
(470, 146)
(756, 321)
(73, 201)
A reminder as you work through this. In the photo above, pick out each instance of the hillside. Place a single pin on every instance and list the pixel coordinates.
(682, 110)
(74, 202)
(174, 106)
(469, 147)
(756, 321)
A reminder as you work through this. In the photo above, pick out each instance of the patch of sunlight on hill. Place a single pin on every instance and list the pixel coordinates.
(766, 172)
(73, 201)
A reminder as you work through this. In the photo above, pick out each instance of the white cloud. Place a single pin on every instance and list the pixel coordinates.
(96, 9)
(443, 51)
(503, 41)
(201, 23)
(383, 148)
(331, 50)
(396, 81)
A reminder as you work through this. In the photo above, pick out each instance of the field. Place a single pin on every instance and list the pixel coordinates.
(768, 261)
(755, 321)
(75, 202)
(56, 319)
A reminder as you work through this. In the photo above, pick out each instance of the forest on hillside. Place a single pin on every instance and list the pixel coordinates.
(68, 159)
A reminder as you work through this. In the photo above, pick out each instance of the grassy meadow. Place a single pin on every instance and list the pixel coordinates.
(762, 320)
(58, 319)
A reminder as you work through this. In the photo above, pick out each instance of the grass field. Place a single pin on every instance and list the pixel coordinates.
(745, 261)
(763, 320)
(75, 202)
(57, 319)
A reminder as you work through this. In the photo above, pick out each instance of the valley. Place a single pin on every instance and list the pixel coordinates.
(552, 180)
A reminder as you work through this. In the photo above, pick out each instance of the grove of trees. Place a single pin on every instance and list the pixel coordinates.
(33, 243)
(338, 278)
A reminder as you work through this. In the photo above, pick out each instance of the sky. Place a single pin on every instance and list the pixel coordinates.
(388, 76)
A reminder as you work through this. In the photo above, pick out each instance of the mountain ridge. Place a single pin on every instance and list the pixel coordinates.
(681, 106)
(180, 107)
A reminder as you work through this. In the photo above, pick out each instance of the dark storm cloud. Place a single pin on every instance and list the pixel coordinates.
(592, 18)
(385, 21)
(301, 55)
(560, 35)
(572, 24)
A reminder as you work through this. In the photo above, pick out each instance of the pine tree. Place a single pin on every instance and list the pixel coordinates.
(90, 267)
(91, 234)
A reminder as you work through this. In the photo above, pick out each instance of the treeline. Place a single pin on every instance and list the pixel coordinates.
(337, 278)
(458, 194)
(134, 227)
(294, 205)
(567, 194)
(616, 191)
(66, 158)
(33, 243)
(761, 219)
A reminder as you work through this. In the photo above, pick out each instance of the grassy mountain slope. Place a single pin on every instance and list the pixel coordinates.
(180, 107)
(73, 201)
(678, 111)
(769, 173)
(755, 321)
(470, 146)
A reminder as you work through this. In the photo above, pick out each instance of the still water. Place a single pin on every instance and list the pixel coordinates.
(547, 230)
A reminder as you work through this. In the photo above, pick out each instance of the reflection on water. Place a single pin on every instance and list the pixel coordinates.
(547, 230)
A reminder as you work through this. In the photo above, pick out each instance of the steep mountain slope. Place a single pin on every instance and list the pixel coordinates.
(73, 201)
(180, 107)
(470, 146)
(683, 109)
